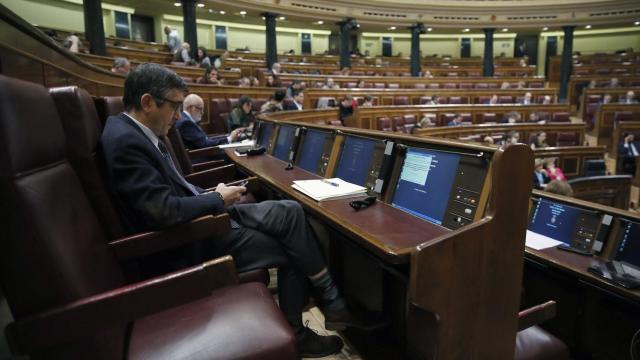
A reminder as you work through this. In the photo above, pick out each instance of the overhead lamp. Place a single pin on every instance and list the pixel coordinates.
(222, 12)
(505, 30)
(466, 30)
(264, 18)
(200, 5)
(320, 22)
(392, 28)
(588, 27)
(243, 12)
(429, 29)
(210, 10)
(545, 28)
(282, 18)
(177, 4)
(636, 23)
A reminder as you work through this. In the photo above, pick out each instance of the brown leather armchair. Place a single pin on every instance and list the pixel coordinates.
(64, 284)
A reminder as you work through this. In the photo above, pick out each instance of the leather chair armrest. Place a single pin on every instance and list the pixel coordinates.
(213, 151)
(207, 165)
(119, 306)
(536, 315)
(151, 242)
(212, 177)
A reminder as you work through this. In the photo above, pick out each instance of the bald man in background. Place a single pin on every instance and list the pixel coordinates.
(192, 134)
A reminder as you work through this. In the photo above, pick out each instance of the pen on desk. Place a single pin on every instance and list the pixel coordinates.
(330, 182)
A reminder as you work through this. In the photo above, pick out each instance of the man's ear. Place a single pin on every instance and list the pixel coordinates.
(147, 102)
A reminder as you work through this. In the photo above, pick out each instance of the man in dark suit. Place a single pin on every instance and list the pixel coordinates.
(628, 150)
(151, 194)
(192, 134)
(296, 104)
(526, 100)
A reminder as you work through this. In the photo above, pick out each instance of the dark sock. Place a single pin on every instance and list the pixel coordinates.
(329, 292)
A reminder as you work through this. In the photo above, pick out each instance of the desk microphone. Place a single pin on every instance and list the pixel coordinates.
(289, 166)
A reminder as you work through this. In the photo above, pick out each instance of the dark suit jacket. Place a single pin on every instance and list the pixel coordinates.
(291, 106)
(626, 152)
(148, 192)
(194, 137)
(537, 183)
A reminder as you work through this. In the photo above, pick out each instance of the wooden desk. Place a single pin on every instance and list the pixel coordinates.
(584, 108)
(577, 83)
(555, 63)
(605, 123)
(571, 158)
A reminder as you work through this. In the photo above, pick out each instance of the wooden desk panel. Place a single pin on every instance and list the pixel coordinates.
(604, 124)
(576, 83)
(571, 158)
(375, 227)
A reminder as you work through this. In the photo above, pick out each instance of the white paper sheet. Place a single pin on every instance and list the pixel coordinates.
(540, 242)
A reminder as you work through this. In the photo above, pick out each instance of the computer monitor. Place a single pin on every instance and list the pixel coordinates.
(573, 226)
(284, 140)
(264, 134)
(360, 160)
(628, 244)
(425, 183)
(314, 151)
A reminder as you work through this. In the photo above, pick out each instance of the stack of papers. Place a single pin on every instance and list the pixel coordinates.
(328, 189)
(243, 143)
(540, 242)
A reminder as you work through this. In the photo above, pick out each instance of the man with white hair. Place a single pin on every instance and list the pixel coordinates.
(630, 98)
(121, 66)
(192, 134)
(276, 69)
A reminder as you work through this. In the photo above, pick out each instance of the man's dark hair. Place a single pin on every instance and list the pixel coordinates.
(153, 79)
(297, 92)
(279, 95)
(244, 99)
(368, 98)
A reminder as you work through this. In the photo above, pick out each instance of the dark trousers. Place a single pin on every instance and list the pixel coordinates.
(275, 234)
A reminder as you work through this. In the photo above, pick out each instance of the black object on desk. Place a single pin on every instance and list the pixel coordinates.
(613, 272)
(572, 249)
(363, 204)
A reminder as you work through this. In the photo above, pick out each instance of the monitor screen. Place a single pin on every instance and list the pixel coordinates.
(629, 243)
(555, 220)
(264, 137)
(425, 183)
(312, 149)
(355, 159)
(284, 140)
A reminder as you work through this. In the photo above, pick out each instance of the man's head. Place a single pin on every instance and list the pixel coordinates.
(368, 99)
(186, 46)
(534, 116)
(629, 137)
(154, 95)
(167, 30)
(245, 103)
(527, 96)
(296, 84)
(631, 95)
(276, 67)
(298, 96)
(279, 95)
(606, 99)
(546, 100)
(347, 101)
(121, 66)
(457, 118)
(614, 81)
(194, 105)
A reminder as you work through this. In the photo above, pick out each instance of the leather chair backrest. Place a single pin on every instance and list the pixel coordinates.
(434, 86)
(593, 98)
(53, 249)
(622, 116)
(450, 86)
(482, 86)
(83, 129)
(466, 86)
(398, 123)
(256, 104)
(419, 86)
(505, 99)
(566, 139)
(409, 119)
(351, 85)
(455, 100)
(488, 117)
(384, 124)
(561, 116)
(536, 85)
(393, 86)
(219, 110)
(483, 99)
(401, 100)
(180, 153)
(108, 106)
(378, 85)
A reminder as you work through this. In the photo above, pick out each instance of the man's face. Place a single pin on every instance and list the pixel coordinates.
(246, 107)
(163, 113)
(196, 111)
(299, 98)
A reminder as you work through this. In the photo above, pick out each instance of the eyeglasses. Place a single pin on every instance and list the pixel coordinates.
(176, 105)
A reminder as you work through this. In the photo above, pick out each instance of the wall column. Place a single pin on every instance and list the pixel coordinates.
(271, 54)
(94, 26)
(345, 30)
(189, 22)
(415, 48)
(487, 63)
(567, 61)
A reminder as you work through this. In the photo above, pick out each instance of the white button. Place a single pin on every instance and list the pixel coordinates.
(467, 211)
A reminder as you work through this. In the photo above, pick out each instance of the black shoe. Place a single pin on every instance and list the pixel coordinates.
(312, 345)
(338, 320)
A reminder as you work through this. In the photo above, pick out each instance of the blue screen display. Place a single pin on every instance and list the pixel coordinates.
(283, 142)
(425, 183)
(311, 150)
(555, 220)
(355, 160)
(629, 244)
(265, 134)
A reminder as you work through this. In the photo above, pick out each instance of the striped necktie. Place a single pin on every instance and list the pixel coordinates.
(167, 157)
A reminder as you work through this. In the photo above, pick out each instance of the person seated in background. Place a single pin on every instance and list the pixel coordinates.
(526, 100)
(296, 85)
(202, 59)
(488, 140)
(173, 39)
(546, 100)
(606, 99)
(540, 176)
(510, 138)
(592, 84)
(72, 42)
(275, 102)
(554, 172)
(253, 81)
(189, 126)
(456, 121)
(244, 82)
(613, 84)
(329, 84)
(521, 85)
(427, 74)
(298, 99)
(629, 98)
(210, 77)
(511, 118)
(368, 101)
(345, 71)
(272, 81)
(539, 141)
(241, 116)
(121, 66)
(534, 117)
(276, 69)
(628, 151)
(522, 62)
(346, 107)
(505, 85)
(559, 187)
(492, 101)
(361, 84)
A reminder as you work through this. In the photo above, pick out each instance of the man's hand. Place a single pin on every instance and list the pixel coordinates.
(230, 194)
(235, 133)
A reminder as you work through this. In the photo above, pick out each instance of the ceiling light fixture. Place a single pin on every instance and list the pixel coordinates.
(588, 27)
(392, 28)
(505, 30)
(545, 28)
(210, 10)
(636, 23)
(200, 5)
(282, 18)
(177, 4)
(222, 12)
(429, 29)
(466, 30)
(264, 18)
(320, 22)
(243, 12)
